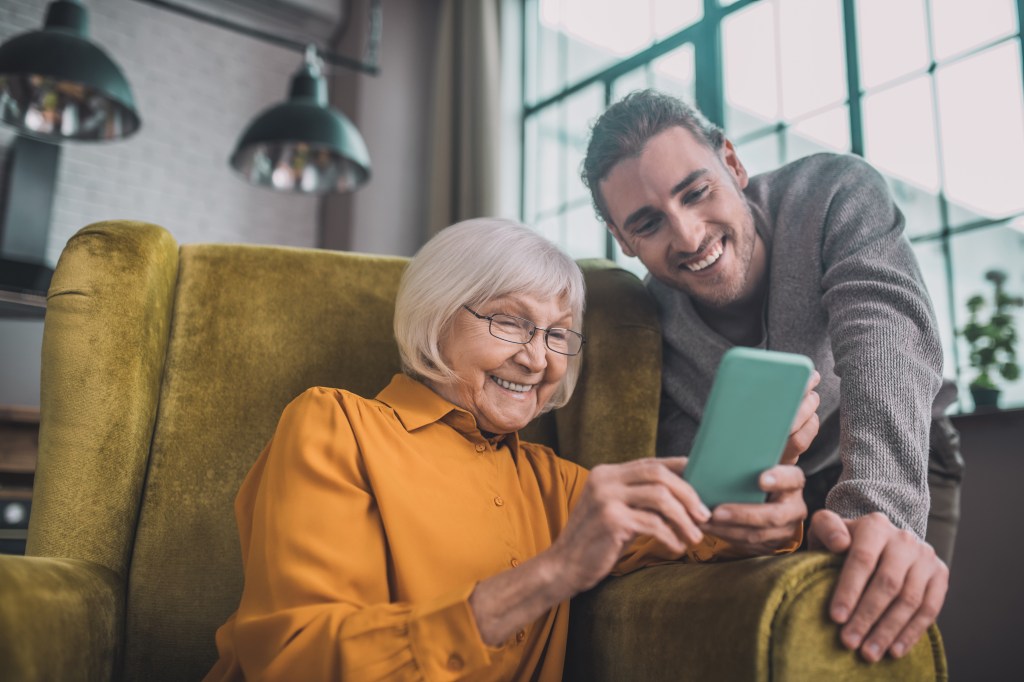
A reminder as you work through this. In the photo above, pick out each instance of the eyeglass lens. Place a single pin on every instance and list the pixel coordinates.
(520, 330)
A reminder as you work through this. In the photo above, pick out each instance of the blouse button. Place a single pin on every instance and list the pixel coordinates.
(520, 636)
(498, 502)
(514, 562)
(455, 662)
(480, 447)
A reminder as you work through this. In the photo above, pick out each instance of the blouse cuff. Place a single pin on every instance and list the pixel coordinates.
(444, 637)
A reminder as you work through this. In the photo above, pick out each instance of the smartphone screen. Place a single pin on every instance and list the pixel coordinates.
(746, 422)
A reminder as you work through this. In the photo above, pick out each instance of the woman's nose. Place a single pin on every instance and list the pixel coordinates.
(535, 352)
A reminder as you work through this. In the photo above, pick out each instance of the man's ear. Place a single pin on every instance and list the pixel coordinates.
(618, 237)
(731, 161)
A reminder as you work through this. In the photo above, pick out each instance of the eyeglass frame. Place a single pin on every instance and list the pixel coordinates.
(536, 328)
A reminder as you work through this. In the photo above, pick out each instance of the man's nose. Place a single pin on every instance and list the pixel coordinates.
(687, 232)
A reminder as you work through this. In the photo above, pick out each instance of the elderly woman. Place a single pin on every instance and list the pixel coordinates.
(414, 536)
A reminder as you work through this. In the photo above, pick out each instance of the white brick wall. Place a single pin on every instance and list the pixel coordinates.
(196, 87)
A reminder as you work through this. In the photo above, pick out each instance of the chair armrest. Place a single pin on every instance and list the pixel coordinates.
(757, 619)
(58, 619)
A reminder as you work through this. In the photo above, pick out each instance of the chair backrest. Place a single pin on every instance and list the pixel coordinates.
(165, 370)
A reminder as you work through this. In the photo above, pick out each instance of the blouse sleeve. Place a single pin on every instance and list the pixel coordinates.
(316, 602)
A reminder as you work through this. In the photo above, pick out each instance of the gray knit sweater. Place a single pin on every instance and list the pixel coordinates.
(845, 290)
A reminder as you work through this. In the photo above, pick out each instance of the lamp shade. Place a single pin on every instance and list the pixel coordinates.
(303, 145)
(55, 84)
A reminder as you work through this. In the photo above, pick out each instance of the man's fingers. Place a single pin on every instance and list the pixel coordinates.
(828, 531)
(808, 406)
(804, 428)
(934, 596)
(861, 561)
(900, 612)
(675, 464)
(881, 600)
(782, 478)
(750, 536)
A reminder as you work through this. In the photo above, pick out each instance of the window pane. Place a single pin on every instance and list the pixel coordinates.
(584, 234)
(975, 253)
(812, 56)
(545, 176)
(629, 263)
(581, 110)
(827, 132)
(543, 56)
(981, 109)
(760, 155)
(958, 25)
(892, 39)
(749, 69)
(637, 79)
(920, 207)
(933, 269)
(899, 133)
(598, 33)
(674, 73)
(672, 16)
(552, 229)
(531, 164)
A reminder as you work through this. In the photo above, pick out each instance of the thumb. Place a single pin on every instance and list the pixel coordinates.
(828, 531)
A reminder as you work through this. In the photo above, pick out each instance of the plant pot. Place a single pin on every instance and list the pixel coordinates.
(985, 398)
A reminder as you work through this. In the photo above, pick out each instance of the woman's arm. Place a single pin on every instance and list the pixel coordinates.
(316, 604)
(618, 504)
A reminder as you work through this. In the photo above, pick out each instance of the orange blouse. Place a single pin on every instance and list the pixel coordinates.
(366, 524)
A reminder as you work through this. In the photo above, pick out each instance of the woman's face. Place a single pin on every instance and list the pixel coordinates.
(504, 385)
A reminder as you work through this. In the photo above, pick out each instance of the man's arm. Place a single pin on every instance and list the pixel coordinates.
(888, 358)
(886, 349)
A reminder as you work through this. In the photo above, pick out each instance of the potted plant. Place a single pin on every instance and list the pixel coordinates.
(992, 341)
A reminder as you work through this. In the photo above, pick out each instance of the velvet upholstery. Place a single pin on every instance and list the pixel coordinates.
(165, 369)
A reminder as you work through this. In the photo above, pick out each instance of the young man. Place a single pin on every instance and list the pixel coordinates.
(811, 259)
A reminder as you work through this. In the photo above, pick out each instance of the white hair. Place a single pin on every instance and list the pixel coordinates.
(471, 263)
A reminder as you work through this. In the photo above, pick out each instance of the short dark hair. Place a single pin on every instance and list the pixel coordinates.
(622, 131)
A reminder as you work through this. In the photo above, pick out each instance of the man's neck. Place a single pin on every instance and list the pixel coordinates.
(742, 322)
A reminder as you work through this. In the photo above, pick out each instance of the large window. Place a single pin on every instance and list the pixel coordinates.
(928, 91)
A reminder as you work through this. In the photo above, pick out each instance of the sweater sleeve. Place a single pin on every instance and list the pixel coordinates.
(886, 349)
(316, 604)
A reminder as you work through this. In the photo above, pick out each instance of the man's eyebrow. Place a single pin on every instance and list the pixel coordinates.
(679, 187)
(689, 180)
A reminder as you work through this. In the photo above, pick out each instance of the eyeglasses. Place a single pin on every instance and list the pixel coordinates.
(520, 330)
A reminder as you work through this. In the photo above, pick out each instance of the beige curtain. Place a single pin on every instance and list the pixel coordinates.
(466, 114)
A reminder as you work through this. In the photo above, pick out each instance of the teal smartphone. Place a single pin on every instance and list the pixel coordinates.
(747, 420)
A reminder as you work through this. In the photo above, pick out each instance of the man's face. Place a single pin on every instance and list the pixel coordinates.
(679, 207)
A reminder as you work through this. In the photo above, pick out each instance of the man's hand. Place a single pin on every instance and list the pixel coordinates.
(892, 585)
(757, 529)
(805, 424)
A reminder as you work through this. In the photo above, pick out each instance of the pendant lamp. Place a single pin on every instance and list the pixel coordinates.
(302, 144)
(55, 84)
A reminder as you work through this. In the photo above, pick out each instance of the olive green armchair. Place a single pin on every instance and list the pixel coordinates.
(165, 369)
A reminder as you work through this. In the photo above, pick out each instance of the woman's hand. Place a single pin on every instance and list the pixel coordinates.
(755, 529)
(619, 503)
(805, 424)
